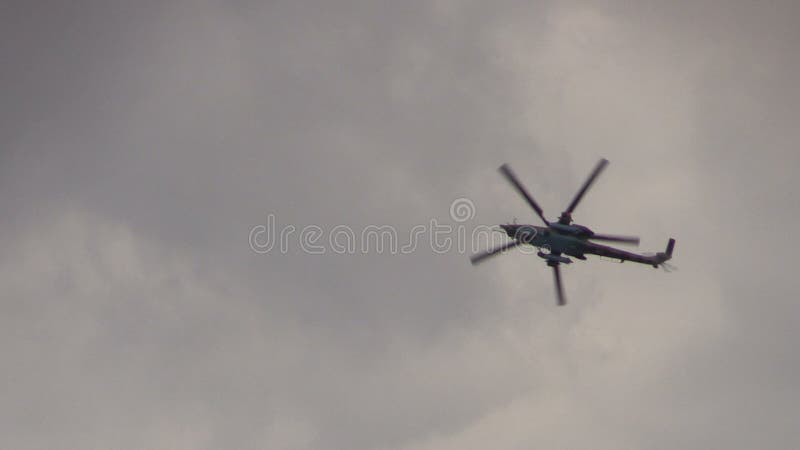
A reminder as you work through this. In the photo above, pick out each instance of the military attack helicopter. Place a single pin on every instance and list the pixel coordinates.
(558, 240)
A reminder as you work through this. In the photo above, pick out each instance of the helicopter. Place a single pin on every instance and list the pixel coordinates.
(558, 241)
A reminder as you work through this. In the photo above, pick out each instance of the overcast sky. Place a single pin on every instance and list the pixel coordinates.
(141, 142)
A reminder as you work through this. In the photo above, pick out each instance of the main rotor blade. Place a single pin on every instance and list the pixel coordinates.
(479, 257)
(586, 185)
(560, 297)
(509, 174)
(614, 238)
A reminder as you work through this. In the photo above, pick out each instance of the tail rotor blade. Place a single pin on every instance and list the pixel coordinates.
(512, 178)
(668, 267)
(634, 240)
(586, 185)
(560, 297)
(479, 257)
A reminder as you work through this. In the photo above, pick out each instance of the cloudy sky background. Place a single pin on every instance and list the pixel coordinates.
(141, 141)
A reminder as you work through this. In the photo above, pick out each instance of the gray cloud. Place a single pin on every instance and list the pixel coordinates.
(142, 143)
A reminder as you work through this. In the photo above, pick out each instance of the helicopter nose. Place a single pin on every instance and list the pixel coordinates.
(509, 229)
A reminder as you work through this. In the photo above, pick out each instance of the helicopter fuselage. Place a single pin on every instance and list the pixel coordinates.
(572, 240)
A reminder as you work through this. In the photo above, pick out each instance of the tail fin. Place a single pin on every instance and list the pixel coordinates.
(670, 246)
(667, 254)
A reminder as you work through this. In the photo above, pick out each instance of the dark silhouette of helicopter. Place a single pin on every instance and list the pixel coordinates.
(557, 239)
